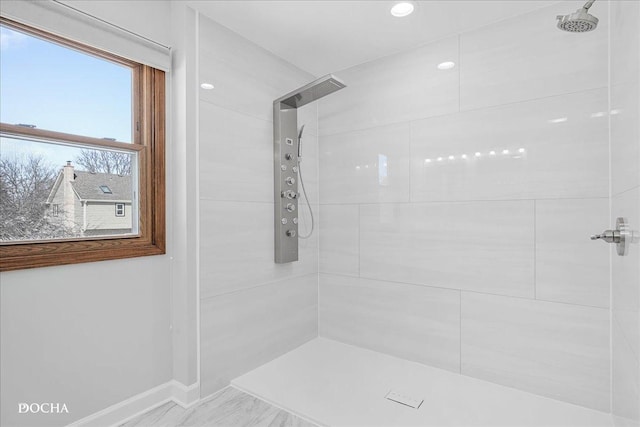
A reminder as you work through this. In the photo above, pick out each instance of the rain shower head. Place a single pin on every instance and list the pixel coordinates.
(579, 22)
(311, 92)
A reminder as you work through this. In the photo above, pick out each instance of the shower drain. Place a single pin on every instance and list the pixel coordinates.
(403, 399)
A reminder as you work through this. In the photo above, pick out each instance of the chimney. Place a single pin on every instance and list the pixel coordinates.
(69, 203)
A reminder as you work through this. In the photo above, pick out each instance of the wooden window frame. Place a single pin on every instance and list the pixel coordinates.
(148, 141)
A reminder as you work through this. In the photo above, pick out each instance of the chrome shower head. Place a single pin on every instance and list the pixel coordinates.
(579, 22)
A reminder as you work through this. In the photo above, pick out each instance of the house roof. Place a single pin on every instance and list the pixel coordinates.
(88, 185)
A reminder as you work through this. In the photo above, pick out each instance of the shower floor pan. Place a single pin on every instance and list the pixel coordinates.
(336, 384)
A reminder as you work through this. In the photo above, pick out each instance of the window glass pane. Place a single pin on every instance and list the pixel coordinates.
(61, 89)
(55, 191)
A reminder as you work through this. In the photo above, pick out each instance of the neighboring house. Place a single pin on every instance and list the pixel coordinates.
(92, 203)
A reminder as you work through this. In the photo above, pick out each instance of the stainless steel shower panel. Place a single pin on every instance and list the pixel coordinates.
(285, 161)
(285, 153)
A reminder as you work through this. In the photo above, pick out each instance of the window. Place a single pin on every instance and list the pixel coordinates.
(84, 131)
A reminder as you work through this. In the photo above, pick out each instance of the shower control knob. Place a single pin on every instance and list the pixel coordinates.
(283, 167)
(284, 221)
(289, 194)
(288, 156)
(295, 220)
(294, 169)
(290, 180)
(291, 207)
(291, 233)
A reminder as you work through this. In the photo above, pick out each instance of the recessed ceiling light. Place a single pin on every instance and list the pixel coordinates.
(447, 65)
(207, 86)
(402, 8)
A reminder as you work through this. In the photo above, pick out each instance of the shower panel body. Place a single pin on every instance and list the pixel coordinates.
(285, 182)
(285, 158)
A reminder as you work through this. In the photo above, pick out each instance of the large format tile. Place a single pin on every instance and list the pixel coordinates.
(527, 57)
(417, 323)
(236, 155)
(236, 248)
(548, 148)
(626, 378)
(480, 246)
(552, 349)
(366, 166)
(339, 239)
(625, 42)
(626, 271)
(247, 78)
(625, 134)
(569, 266)
(394, 89)
(242, 330)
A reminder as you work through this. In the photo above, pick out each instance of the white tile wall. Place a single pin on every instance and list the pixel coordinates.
(236, 155)
(252, 310)
(626, 379)
(544, 158)
(513, 225)
(396, 88)
(248, 328)
(417, 323)
(567, 268)
(340, 239)
(527, 57)
(557, 350)
(239, 253)
(480, 246)
(625, 176)
(353, 165)
(247, 78)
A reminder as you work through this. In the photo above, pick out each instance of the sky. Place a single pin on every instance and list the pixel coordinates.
(60, 89)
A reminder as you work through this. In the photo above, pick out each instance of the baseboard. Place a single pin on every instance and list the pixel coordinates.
(171, 391)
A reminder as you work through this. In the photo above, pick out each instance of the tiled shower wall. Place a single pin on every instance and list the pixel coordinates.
(625, 177)
(252, 310)
(457, 205)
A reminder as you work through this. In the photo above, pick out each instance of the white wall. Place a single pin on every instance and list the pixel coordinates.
(251, 309)
(625, 176)
(89, 335)
(480, 265)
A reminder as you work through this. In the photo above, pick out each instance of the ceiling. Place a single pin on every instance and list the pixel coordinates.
(322, 37)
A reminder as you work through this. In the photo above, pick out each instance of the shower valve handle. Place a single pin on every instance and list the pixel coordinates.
(609, 236)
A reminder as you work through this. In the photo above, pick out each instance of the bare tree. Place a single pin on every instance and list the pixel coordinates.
(25, 183)
(99, 161)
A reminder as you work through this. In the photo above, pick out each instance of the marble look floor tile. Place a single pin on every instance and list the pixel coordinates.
(227, 408)
(167, 415)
